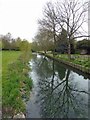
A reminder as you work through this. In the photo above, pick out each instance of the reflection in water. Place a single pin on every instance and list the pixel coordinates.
(58, 92)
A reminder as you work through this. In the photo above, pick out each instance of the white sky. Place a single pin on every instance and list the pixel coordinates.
(19, 17)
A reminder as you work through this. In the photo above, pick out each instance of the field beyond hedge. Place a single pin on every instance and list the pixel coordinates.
(8, 57)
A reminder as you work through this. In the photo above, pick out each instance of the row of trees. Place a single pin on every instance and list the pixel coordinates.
(8, 43)
(62, 47)
(61, 25)
(44, 41)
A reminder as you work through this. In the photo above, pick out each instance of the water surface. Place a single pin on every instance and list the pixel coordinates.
(58, 91)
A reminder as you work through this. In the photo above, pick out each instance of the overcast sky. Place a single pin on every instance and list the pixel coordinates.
(19, 17)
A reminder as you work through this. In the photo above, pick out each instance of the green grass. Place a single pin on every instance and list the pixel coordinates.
(16, 83)
(0, 79)
(8, 57)
(83, 60)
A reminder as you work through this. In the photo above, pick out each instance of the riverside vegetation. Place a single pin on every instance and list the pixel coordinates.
(16, 83)
(83, 61)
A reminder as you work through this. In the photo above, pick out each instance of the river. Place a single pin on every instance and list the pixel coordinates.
(58, 91)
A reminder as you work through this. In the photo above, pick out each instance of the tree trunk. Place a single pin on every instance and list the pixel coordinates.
(69, 46)
(69, 50)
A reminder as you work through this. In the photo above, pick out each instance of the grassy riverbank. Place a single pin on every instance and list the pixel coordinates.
(16, 83)
(0, 83)
(80, 62)
(83, 60)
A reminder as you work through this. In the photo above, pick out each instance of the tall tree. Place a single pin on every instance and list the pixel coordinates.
(18, 42)
(72, 14)
(49, 21)
(6, 41)
(62, 43)
(44, 40)
(25, 48)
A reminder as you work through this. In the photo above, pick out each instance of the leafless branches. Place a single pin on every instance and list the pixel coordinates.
(69, 14)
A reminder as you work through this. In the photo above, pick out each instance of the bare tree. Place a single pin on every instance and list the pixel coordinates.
(49, 21)
(44, 39)
(71, 13)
